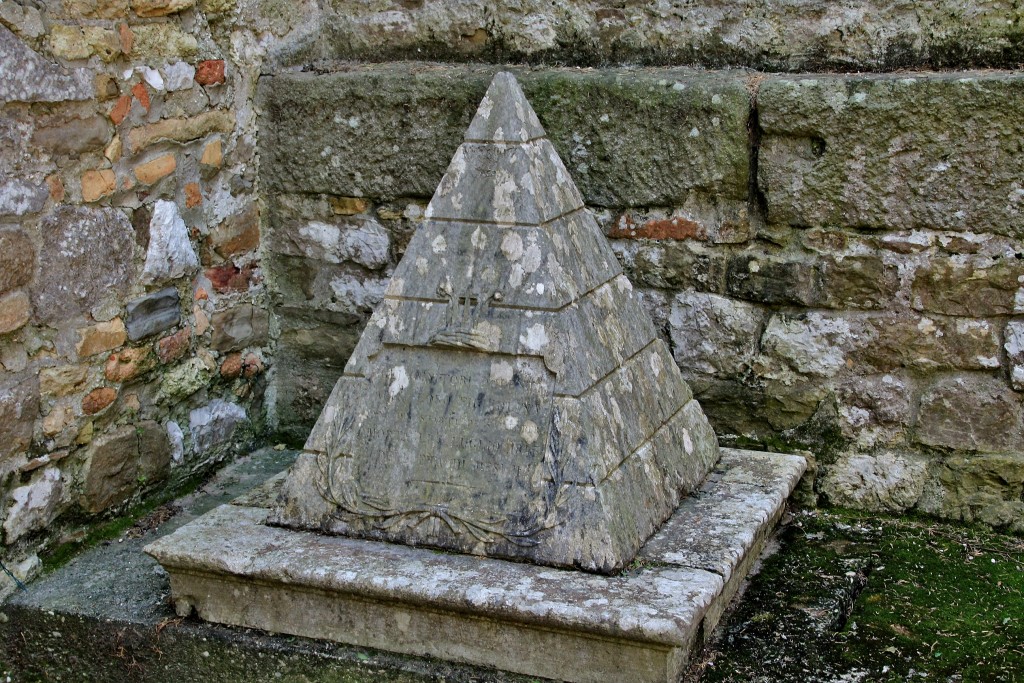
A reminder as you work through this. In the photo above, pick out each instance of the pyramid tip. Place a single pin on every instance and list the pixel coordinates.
(504, 114)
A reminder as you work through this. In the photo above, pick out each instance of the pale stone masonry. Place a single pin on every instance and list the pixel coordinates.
(509, 397)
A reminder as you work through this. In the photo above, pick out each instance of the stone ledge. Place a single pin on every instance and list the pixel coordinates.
(519, 617)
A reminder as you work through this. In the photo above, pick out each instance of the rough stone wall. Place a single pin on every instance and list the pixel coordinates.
(133, 319)
(837, 261)
(847, 247)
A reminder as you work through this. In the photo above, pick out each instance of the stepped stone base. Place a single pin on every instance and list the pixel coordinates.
(569, 625)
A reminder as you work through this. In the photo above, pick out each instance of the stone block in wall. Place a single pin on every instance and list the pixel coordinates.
(640, 137)
(881, 482)
(34, 504)
(971, 413)
(86, 255)
(17, 259)
(320, 285)
(122, 461)
(775, 35)
(673, 264)
(874, 409)
(20, 196)
(895, 151)
(214, 424)
(153, 313)
(714, 335)
(980, 487)
(30, 77)
(857, 282)
(357, 240)
(19, 408)
(773, 280)
(240, 326)
(972, 286)
(311, 353)
(72, 136)
(825, 344)
(1014, 347)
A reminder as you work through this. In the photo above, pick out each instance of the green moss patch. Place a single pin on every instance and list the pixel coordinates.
(866, 598)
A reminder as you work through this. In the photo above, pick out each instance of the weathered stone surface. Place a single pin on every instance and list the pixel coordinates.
(181, 130)
(876, 151)
(502, 439)
(26, 76)
(974, 413)
(98, 399)
(97, 9)
(773, 35)
(153, 313)
(974, 287)
(238, 234)
(33, 505)
(97, 184)
(74, 136)
(772, 280)
(714, 335)
(163, 40)
(123, 460)
(75, 276)
(62, 380)
(874, 409)
(213, 424)
(362, 241)
(177, 441)
(239, 326)
(174, 346)
(185, 379)
(17, 258)
(978, 488)
(160, 8)
(15, 311)
(857, 282)
(100, 337)
(19, 196)
(170, 254)
(1014, 345)
(562, 625)
(178, 76)
(19, 407)
(822, 344)
(128, 364)
(881, 482)
(682, 132)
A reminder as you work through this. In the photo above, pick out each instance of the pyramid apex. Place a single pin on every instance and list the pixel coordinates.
(504, 114)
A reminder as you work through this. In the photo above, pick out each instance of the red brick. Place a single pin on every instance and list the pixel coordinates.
(120, 110)
(229, 278)
(676, 228)
(210, 72)
(141, 94)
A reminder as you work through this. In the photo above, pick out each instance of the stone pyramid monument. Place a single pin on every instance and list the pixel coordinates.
(509, 397)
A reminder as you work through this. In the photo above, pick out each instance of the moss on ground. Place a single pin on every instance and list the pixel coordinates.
(858, 597)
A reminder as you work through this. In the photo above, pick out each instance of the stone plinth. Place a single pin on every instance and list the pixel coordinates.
(640, 625)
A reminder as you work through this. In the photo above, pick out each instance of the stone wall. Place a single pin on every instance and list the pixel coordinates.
(133, 321)
(836, 261)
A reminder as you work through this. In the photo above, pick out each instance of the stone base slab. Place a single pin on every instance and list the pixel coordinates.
(569, 625)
